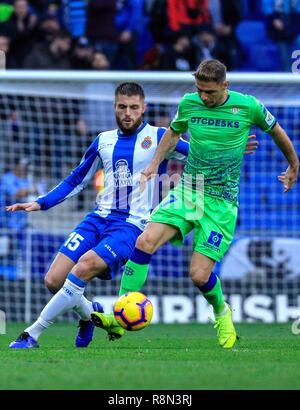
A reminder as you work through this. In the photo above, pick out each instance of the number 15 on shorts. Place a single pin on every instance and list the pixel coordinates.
(73, 241)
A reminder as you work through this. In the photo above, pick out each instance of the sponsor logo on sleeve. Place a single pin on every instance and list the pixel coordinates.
(269, 118)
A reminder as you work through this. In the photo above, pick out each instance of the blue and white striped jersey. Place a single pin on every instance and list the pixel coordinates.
(123, 158)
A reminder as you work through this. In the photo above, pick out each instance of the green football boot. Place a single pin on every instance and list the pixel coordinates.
(225, 329)
(108, 323)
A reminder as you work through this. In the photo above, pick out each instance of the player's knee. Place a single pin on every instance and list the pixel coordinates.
(146, 243)
(86, 265)
(52, 283)
(199, 276)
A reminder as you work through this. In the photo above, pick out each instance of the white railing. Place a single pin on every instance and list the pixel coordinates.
(144, 76)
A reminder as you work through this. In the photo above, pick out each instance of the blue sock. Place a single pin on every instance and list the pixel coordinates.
(209, 284)
(140, 257)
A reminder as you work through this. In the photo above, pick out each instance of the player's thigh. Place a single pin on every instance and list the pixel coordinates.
(58, 271)
(174, 214)
(155, 235)
(116, 246)
(215, 230)
(84, 237)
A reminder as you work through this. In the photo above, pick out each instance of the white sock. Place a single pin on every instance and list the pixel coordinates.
(65, 299)
(37, 328)
(84, 308)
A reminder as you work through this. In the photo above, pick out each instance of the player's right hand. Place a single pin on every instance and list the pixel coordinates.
(25, 206)
(147, 174)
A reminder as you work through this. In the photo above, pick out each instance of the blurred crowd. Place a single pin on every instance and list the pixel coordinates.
(140, 34)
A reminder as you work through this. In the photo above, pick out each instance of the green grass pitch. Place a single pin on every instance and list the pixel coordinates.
(159, 357)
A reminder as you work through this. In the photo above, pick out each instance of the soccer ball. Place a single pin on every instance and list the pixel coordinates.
(133, 311)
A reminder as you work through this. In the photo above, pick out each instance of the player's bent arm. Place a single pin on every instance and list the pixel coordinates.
(180, 152)
(284, 143)
(76, 181)
(167, 145)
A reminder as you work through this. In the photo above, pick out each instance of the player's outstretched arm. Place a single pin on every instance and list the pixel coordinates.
(25, 206)
(281, 139)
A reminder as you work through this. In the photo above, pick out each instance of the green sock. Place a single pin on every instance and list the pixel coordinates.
(215, 297)
(133, 278)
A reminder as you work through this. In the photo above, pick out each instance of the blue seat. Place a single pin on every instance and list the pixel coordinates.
(261, 54)
(251, 9)
(260, 51)
(264, 57)
(77, 26)
(75, 12)
(251, 32)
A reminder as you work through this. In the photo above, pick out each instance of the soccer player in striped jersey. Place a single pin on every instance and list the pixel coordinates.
(218, 120)
(105, 238)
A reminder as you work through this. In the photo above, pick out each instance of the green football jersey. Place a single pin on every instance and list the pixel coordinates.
(218, 137)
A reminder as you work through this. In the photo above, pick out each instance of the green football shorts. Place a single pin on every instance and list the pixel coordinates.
(212, 219)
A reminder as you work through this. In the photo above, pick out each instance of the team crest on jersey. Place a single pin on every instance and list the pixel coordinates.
(146, 143)
(235, 110)
(122, 174)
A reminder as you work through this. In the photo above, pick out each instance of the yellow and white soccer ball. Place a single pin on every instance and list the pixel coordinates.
(133, 311)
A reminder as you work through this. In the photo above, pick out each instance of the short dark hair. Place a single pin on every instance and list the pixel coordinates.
(130, 89)
(211, 70)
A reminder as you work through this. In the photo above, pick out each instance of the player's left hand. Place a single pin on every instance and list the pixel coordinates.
(252, 144)
(288, 178)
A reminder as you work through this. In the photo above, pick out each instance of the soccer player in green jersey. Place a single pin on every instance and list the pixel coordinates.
(219, 121)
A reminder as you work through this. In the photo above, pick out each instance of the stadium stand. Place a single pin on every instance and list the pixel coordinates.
(141, 32)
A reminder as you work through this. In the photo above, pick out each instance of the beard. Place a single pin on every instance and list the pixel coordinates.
(129, 130)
